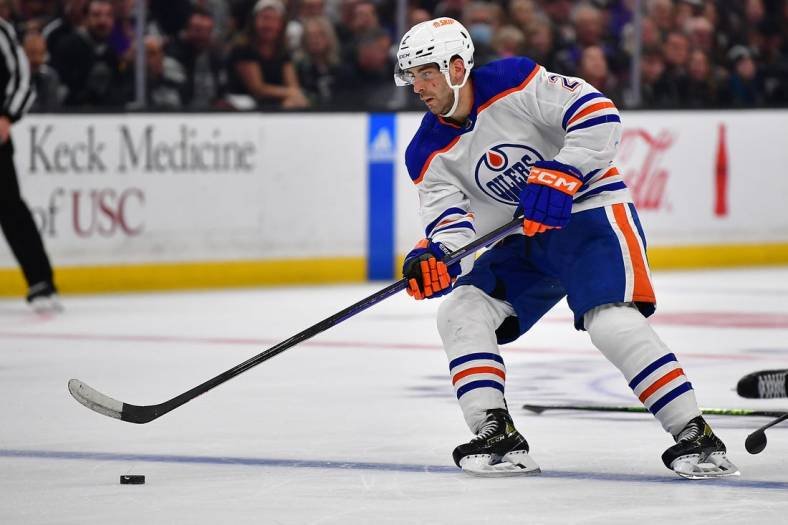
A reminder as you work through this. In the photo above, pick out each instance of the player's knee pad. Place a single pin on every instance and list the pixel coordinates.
(469, 312)
(624, 336)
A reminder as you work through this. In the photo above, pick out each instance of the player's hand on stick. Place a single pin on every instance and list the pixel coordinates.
(546, 201)
(427, 274)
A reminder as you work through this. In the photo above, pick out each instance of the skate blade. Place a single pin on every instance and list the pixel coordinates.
(517, 463)
(717, 465)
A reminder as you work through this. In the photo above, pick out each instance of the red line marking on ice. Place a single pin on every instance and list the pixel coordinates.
(733, 320)
(227, 341)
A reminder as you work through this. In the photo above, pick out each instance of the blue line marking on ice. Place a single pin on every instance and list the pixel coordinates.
(738, 483)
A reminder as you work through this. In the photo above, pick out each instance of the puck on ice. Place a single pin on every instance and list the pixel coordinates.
(132, 480)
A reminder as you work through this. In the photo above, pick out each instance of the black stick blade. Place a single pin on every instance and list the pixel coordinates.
(755, 442)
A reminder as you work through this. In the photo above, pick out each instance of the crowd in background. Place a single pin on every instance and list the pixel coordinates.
(339, 54)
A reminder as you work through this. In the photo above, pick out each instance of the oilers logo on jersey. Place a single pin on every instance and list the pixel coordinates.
(501, 173)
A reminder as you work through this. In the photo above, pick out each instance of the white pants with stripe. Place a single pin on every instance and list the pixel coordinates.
(467, 320)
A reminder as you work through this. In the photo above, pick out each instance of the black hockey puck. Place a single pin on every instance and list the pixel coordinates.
(130, 479)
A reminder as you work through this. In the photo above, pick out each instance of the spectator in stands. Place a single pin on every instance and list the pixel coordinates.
(123, 30)
(699, 88)
(72, 18)
(676, 53)
(365, 19)
(594, 69)
(295, 27)
(164, 76)
(220, 14)
(650, 37)
(539, 44)
(318, 60)
(482, 20)
(343, 26)
(588, 26)
(508, 41)
(559, 13)
(259, 64)
(701, 35)
(367, 80)
(87, 65)
(656, 91)
(522, 13)
(661, 12)
(746, 89)
(49, 92)
(200, 58)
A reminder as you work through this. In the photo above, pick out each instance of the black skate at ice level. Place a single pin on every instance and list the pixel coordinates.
(497, 450)
(765, 384)
(698, 453)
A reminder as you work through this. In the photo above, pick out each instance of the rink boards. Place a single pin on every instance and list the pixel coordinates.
(141, 201)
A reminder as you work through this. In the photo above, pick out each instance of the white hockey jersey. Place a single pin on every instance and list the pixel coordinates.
(469, 178)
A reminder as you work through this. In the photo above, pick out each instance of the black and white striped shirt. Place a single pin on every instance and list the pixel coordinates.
(16, 90)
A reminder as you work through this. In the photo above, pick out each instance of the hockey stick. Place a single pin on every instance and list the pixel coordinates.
(103, 404)
(538, 409)
(756, 442)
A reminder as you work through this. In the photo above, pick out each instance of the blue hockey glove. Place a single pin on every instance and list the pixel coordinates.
(427, 274)
(546, 201)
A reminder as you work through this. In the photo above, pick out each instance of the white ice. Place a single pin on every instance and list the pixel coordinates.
(357, 425)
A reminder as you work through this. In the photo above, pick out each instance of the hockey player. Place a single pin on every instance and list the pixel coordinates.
(512, 136)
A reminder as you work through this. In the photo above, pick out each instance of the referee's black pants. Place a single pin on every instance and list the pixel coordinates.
(18, 225)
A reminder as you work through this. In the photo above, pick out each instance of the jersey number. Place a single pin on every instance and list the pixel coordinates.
(566, 83)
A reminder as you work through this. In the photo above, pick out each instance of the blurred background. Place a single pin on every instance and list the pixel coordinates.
(338, 54)
(199, 143)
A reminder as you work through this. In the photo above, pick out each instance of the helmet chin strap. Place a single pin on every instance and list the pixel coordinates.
(456, 91)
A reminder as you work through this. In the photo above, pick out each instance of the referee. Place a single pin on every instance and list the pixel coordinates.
(16, 96)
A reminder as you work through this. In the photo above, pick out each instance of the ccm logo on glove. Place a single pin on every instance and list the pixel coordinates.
(555, 179)
(546, 201)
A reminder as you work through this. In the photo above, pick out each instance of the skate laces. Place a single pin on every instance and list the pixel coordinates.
(694, 429)
(771, 385)
(491, 426)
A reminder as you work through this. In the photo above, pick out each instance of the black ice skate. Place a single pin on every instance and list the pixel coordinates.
(698, 453)
(766, 384)
(497, 450)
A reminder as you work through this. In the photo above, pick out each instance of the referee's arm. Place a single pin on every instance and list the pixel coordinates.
(16, 90)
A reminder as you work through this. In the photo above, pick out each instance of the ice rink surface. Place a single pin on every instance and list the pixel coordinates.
(357, 425)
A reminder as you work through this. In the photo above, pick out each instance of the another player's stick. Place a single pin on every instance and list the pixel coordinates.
(756, 442)
(636, 409)
(103, 404)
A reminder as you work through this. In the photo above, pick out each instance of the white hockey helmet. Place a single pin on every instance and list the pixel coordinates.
(434, 42)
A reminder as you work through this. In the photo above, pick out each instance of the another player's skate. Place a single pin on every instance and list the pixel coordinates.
(698, 453)
(497, 450)
(766, 384)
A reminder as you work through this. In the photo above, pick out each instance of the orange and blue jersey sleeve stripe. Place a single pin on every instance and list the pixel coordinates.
(452, 218)
(479, 370)
(589, 110)
(659, 383)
